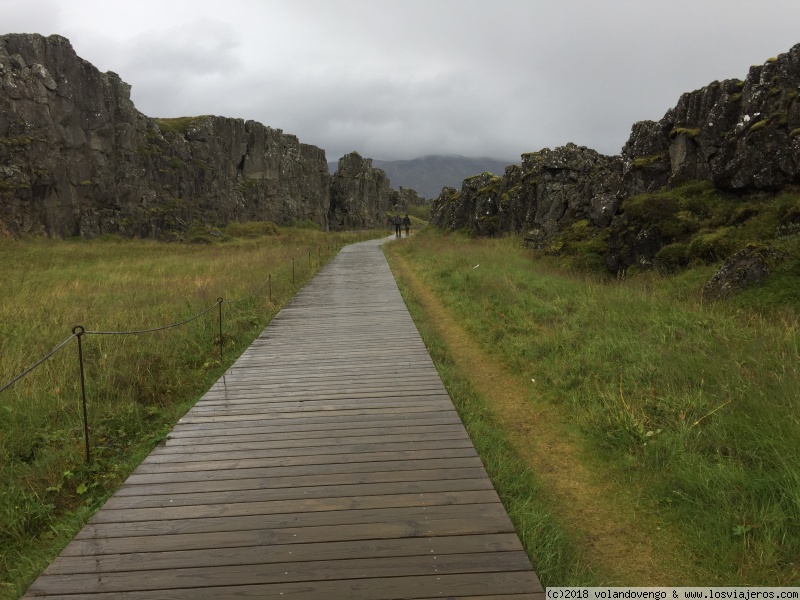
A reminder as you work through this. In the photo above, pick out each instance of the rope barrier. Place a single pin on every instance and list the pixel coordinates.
(154, 329)
(253, 295)
(40, 361)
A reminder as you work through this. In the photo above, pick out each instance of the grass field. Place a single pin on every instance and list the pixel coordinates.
(138, 385)
(664, 433)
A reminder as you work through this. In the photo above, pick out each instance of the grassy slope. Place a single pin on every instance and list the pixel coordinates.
(687, 413)
(137, 385)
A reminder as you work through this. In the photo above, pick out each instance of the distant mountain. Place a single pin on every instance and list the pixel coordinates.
(429, 174)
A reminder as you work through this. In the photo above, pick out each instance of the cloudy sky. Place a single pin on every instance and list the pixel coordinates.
(397, 79)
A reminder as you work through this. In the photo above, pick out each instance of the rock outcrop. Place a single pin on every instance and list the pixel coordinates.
(744, 269)
(742, 136)
(550, 190)
(402, 198)
(77, 158)
(359, 194)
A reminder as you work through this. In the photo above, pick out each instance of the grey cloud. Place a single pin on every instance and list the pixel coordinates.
(398, 79)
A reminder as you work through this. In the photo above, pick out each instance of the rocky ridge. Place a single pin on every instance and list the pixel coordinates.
(78, 159)
(743, 136)
(360, 194)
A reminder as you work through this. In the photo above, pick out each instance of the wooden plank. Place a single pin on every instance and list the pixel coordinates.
(238, 509)
(342, 445)
(245, 555)
(222, 437)
(272, 573)
(506, 584)
(330, 421)
(247, 405)
(306, 466)
(299, 476)
(407, 528)
(372, 516)
(314, 455)
(298, 492)
(343, 413)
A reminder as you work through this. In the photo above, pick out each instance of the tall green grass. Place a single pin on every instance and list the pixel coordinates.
(139, 385)
(693, 405)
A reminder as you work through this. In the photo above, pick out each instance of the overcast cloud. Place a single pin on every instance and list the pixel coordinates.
(400, 79)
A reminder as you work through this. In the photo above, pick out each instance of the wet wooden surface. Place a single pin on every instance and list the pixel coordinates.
(328, 462)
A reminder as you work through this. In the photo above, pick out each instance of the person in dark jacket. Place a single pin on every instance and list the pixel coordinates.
(397, 224)
(407, 224)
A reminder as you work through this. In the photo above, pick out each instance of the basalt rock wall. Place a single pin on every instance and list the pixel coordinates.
(77, 158)
(550, 190)
(741, 135)
(360, 194)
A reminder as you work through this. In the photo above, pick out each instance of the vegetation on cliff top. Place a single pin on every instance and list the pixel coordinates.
(178, 124)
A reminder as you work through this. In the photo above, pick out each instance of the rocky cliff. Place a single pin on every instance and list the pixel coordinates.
(741, 136)
(360, 194)
(402, 198)
(77, 158)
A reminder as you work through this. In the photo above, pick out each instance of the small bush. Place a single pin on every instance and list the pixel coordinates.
(690, 131)
(177, 125)
(711, 247)
(650, 209)
(673, 256)
(646, 161)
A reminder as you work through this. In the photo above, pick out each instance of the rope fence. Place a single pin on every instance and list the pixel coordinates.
(78, 332)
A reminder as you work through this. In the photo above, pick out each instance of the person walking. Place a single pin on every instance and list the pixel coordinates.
(397, 224)
(407, 224)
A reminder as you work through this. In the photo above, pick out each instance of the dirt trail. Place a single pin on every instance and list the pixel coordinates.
(624, 549)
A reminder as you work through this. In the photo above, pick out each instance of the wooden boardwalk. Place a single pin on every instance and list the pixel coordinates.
(328, 462)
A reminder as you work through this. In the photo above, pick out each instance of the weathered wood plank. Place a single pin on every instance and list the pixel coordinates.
(271, 573)
(245, 555)
(357, 490)
(222, 437)
(405, 528)
(291, 468)
(507, 584)
(239, 509)
(334, 444)
(373, 516)
(298, 476)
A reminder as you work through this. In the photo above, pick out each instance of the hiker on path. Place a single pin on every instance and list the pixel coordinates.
(407, 224)
(397, 223)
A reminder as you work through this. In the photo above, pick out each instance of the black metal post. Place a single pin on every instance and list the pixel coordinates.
(219, 304)
(78, 331)
(270, 287)
(309, 259)
(292, 270)
(319, 255)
